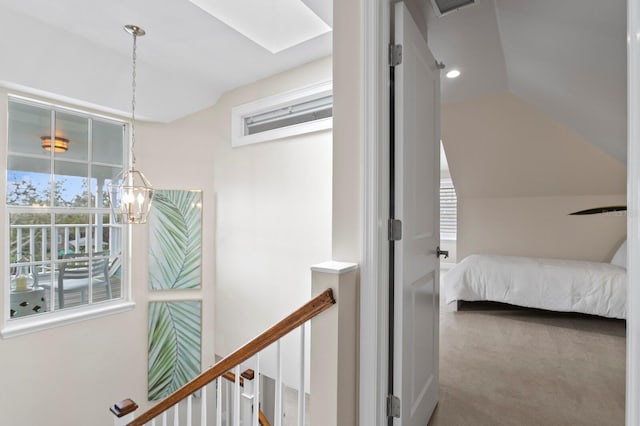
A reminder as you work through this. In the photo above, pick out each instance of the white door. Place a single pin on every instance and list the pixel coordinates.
(417, 186)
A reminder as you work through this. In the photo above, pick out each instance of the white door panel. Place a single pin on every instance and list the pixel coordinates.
(417, 183)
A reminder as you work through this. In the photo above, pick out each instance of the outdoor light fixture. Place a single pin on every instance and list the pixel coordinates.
(59, 144)
(131, 194)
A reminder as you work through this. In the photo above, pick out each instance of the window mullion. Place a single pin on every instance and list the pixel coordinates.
(52, 171)
(53, 252)
(68, 223)
(88, 239)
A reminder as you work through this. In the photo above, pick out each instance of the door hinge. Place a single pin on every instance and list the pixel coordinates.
(395, 230)
(395, 54)
(393, 406)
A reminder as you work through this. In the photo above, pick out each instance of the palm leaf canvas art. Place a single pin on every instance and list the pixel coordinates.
(174, 346)
(175, 240)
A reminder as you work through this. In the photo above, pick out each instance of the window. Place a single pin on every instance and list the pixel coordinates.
(448, 210)
(65, 250)
(305, 110)
(448, 201)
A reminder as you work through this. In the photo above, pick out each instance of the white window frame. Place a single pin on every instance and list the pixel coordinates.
(304, 94)
(448, 236)
(33, 323)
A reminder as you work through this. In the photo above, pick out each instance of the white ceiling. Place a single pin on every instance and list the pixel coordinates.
(565, 57)
(76, 50)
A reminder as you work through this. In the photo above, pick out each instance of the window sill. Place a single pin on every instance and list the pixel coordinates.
(28, 325)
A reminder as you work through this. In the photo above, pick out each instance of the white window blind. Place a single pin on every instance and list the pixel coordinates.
(448, 210)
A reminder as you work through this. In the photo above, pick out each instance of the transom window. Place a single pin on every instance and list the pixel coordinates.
(65, 249)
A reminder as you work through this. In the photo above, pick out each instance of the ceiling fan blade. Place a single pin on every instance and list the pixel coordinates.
(600, 210)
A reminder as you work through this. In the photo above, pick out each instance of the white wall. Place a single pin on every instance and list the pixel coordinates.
(518, 174)
(419, 10)
(540, 227)
(70, 375)
(346, 131)
(273, 214)
(95, 363)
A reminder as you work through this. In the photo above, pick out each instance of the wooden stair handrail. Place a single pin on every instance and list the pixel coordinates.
(247, 374)
(315, 306)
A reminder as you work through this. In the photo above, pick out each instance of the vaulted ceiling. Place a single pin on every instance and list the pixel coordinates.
(76, 50)
(566, 58)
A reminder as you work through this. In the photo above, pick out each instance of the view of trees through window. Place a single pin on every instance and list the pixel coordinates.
(57, 200)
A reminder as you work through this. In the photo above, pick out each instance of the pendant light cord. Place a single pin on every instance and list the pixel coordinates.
(133, 103)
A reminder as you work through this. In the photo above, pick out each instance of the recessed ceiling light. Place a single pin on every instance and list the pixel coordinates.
(453, 74)
(275, 25)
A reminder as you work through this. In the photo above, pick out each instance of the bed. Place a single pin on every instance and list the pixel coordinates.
(552, 284)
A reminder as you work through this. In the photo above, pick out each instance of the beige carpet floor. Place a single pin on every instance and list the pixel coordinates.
(502, 365)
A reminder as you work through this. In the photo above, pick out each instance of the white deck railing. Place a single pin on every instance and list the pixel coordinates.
(32, 244)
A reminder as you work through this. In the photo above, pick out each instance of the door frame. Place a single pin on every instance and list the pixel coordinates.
(375, 36)
(632, 406)
(374, 126)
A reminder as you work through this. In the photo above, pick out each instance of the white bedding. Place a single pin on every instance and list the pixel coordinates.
(558, 285)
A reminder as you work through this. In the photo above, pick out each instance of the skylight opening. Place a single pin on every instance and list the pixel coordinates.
(275, 25)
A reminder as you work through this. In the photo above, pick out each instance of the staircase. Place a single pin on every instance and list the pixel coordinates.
(230, 391)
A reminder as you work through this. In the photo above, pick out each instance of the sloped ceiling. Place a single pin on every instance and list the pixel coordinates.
(566, 58)
(501, 146)
(76, 50)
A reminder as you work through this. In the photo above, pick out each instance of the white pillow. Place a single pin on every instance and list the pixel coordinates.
(620, 258)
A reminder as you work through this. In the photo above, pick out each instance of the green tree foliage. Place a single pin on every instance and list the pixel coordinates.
(25, 193)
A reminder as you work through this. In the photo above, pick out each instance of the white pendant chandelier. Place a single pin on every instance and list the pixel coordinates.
(132, 196)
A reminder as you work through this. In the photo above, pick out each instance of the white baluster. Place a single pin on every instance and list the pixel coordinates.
(32, 244)
(164, 419)
(301, 389)
(203, 407)
(236, 397)
(87, 239)
(153, 422)
(77, 239)
(19, 242)
(176, 415)
(66, 239)
(256, 392)
(44, 244)
(278, 408)
(219, 401)
(229, 399)
(189, 406)
(246, 402)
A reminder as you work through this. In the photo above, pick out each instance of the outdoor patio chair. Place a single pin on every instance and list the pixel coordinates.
(74, 276)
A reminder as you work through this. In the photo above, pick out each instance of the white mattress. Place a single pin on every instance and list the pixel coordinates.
(558, 285)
